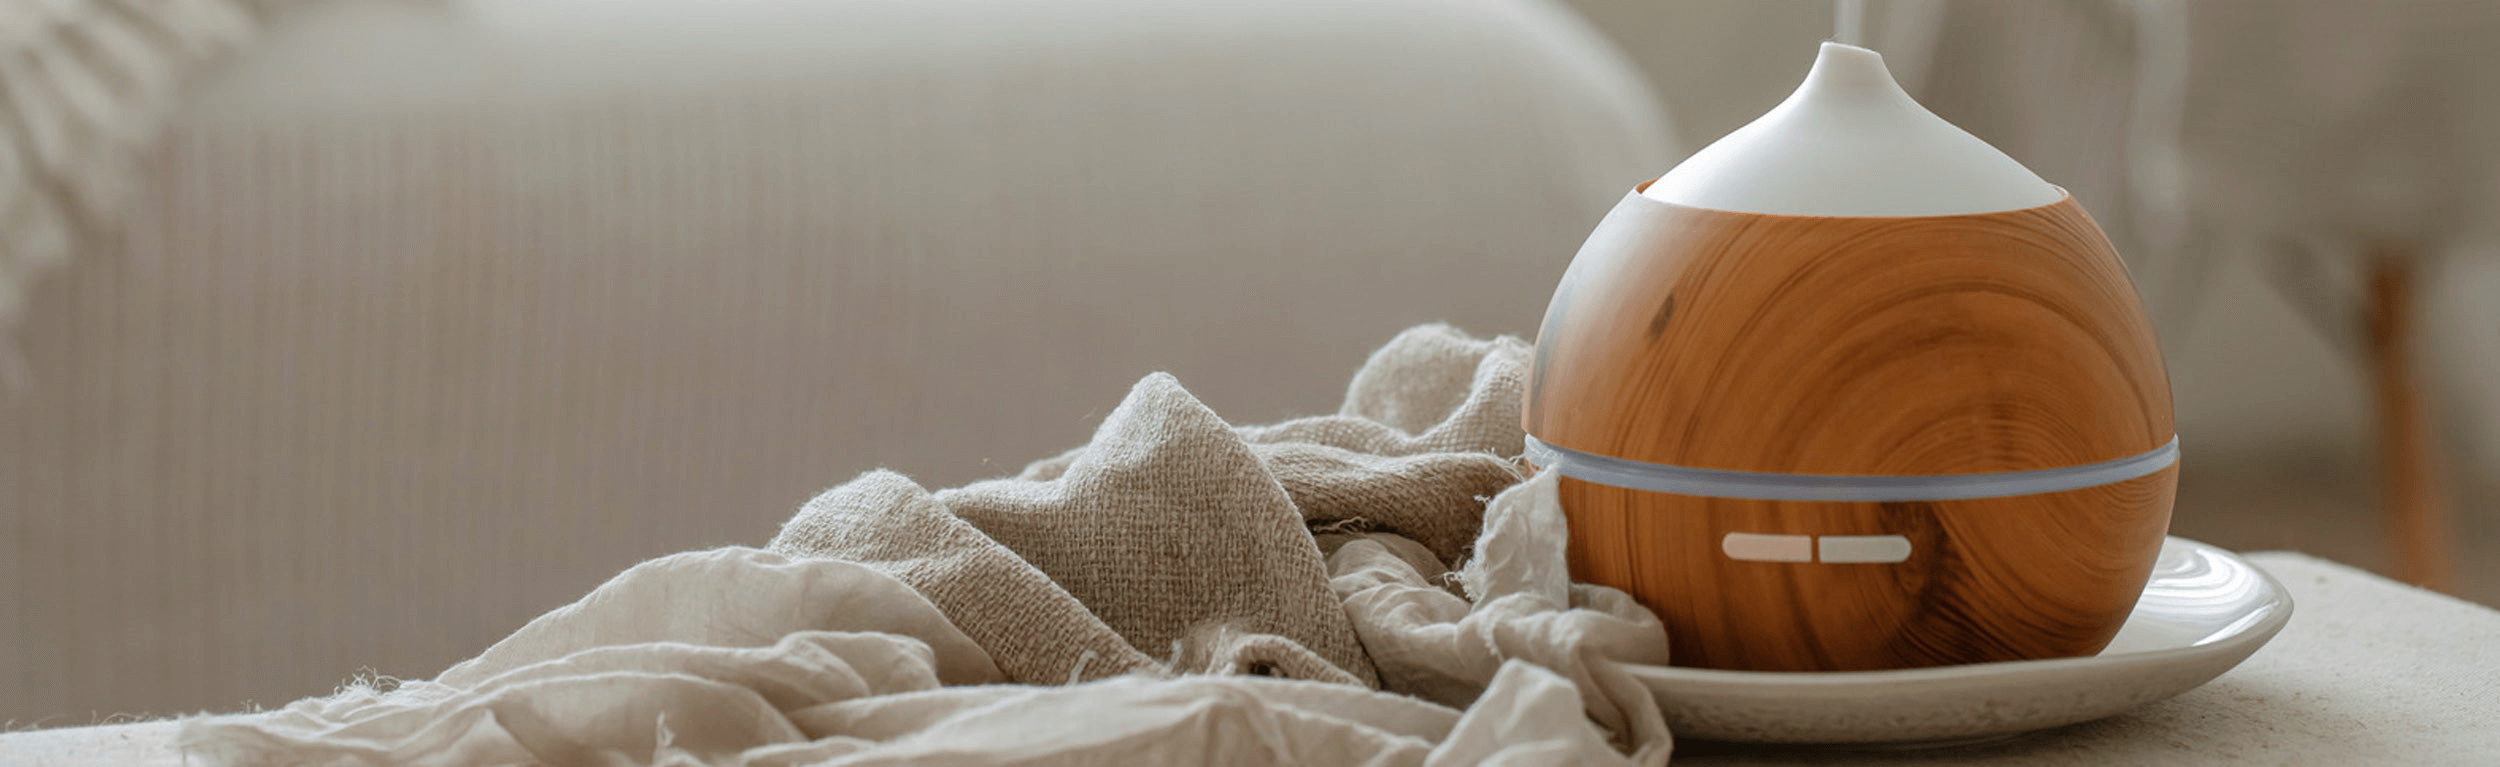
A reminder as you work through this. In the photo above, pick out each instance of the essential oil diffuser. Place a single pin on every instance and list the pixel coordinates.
(1850, 389)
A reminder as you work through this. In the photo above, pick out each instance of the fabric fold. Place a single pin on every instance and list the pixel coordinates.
(1168, 524)
(1037, 632)
(1164, 535)
(695, 657)
(1440, 647)
(1178, 590)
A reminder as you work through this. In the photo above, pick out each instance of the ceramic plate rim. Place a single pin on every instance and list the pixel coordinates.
(2223, 651)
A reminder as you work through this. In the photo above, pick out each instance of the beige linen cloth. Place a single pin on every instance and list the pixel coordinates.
(1179, 590)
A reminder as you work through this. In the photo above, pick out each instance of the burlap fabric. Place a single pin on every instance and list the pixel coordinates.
(1229, 591)
(1176, 542)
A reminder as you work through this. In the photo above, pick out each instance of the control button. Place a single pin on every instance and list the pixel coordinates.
(1756, 547)
(1864, 548)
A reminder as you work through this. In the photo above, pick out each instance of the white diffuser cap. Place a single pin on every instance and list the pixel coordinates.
(1850, 142)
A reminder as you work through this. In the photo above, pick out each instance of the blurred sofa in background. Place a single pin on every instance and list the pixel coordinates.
(432, 316)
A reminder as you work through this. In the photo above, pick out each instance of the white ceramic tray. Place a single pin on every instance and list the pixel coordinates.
(2204, 610)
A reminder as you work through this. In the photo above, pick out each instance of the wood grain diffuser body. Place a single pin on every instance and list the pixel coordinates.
(1850, 389)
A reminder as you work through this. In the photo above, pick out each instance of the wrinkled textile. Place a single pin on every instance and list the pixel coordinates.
(1174, 538)
(1157, 596)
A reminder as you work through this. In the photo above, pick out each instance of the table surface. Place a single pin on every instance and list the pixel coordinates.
(2369, 671)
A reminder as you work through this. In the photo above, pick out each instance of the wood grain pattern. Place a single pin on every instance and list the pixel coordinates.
(1996, 342)
(1994, 579)
(1875, 346)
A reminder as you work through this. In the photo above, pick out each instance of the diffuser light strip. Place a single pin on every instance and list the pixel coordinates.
(1766, 486)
